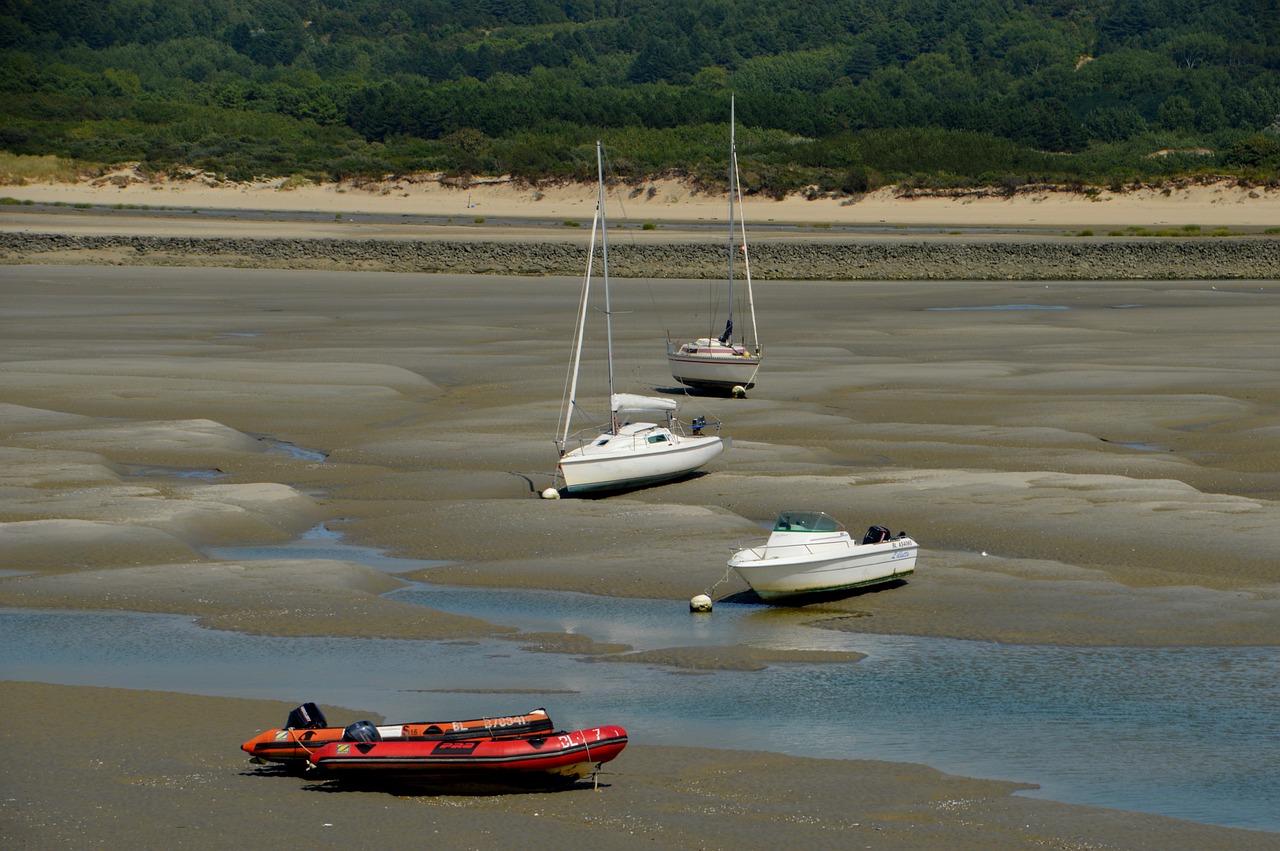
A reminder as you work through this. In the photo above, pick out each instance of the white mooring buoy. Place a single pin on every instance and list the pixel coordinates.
(551, 493)
(700, 603)
(739, 392)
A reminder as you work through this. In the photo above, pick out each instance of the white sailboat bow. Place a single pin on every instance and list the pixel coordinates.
(629, 452)
(726, 362)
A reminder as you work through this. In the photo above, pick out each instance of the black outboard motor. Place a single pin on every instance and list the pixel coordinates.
(876, 535)
(698, 424)
(361, 731)
(306, 717)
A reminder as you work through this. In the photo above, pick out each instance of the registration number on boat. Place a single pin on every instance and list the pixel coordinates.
(511, 721)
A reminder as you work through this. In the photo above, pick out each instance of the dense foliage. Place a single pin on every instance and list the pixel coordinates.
(842, 94)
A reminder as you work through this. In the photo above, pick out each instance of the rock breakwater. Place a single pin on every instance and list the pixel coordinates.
(958, 258)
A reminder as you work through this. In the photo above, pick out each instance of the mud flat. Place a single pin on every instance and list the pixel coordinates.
(1084, 463)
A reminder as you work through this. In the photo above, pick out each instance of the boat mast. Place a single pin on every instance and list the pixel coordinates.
(604, 262)
(580, 333)
(727, 337)
(746, 259)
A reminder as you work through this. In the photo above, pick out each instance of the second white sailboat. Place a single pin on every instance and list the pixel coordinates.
(730, 361)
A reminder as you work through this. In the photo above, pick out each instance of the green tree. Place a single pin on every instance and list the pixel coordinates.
(1114, 123)
(1176, 113)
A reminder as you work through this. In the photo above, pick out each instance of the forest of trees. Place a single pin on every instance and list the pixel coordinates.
(843, 94)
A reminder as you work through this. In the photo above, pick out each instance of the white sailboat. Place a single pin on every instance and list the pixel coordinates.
(626, 453)
(725, 363)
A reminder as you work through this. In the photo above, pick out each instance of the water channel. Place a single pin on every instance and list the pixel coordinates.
(1186, 732)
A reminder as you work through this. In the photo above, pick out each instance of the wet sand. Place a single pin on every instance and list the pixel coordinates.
(1102, 472)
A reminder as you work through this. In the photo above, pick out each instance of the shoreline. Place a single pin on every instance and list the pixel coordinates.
(1187, 231)
(1218, 204)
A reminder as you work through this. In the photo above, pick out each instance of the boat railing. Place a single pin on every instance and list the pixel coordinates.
(695, 427)
(760, 548)
(755, 546)
(588, 436)
(584, 437)
(580, 438)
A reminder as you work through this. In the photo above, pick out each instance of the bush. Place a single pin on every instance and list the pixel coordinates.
(1258, 151)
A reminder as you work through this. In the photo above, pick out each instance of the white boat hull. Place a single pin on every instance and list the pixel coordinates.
(639, 454)
(713, 371)
(776, 572)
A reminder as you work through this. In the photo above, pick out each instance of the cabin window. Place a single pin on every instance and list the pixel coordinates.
(805, 521)
(657, 438)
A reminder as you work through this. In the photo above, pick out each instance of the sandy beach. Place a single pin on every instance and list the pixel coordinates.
(1071, 472)
(1208, 205)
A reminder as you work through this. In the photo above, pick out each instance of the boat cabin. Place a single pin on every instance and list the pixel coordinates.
(714, 348)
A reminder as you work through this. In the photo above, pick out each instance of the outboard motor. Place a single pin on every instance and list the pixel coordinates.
(876, 535)
(698, 424)
(306, 717)
(361, 731)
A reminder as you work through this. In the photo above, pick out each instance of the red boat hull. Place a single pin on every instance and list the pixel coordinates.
(555, 759)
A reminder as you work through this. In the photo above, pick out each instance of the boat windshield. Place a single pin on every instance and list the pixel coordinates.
(805, 521)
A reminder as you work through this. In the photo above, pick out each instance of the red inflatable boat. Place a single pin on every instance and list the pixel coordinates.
(306, 731)
(531, 761)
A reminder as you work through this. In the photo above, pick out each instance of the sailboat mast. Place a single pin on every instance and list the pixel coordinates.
(746, 262)
(733, 189)
(579, 337)
(604, 262)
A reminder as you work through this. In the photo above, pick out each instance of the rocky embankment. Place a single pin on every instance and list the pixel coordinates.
(955, 258)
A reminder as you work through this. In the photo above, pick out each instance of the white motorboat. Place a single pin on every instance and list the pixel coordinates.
(627, 452)
(721, 364)
(809, 552)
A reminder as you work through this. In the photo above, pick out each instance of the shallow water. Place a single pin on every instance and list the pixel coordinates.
(1186, 732)
(158, 471)
(284, 447)
(324, 544)
(1007, 307)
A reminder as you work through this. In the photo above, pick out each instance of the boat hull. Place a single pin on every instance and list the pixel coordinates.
(627, 460)
(777, 573)
(716, 371)
(555, 759)
(294, 745)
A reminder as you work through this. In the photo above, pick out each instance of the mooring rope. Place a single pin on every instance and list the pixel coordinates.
(727, 572)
